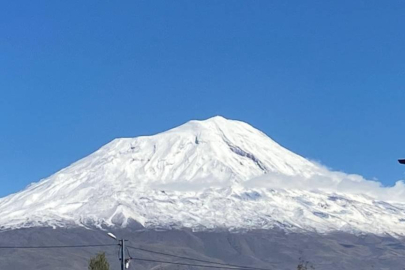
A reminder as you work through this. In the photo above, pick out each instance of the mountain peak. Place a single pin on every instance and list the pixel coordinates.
(220, 120)
(214, 123)
(228, 145)
(198, 155)
(215, 118)
(201, 175)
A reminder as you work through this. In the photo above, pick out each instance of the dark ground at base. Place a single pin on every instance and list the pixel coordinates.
(271, 249)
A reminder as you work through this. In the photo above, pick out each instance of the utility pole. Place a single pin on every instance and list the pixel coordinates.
(122, 245)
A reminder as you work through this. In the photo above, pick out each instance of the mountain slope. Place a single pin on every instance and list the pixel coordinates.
(196, 176)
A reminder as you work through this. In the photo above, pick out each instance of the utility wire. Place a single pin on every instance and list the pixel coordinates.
(198, 260)
(189, 264)
(129, 254)
(46, 247)
(216, 266)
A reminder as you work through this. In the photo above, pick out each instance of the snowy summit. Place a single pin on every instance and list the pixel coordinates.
(204, 175)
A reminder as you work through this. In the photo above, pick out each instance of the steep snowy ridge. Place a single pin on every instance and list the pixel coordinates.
(200, 176)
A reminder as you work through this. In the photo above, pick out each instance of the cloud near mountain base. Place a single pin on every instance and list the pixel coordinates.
(331, 181)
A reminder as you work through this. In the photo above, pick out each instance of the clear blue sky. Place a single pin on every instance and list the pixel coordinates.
(325, 79)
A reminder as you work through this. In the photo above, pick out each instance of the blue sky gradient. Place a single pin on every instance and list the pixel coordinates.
(326, 79)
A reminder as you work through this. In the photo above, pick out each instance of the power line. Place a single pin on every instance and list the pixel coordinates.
(46, 247)
(216, 265)
(189, 264)
(198, 260)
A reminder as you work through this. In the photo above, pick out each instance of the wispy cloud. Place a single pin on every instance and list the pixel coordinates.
(332, 181)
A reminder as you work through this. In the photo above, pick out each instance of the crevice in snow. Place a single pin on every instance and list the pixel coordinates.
(239, 151)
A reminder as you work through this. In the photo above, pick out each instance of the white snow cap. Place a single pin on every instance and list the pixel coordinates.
(216, 173)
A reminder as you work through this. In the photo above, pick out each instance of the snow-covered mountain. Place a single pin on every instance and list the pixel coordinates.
(212, 174)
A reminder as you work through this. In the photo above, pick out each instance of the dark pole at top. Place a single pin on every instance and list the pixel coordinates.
(122, 244)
